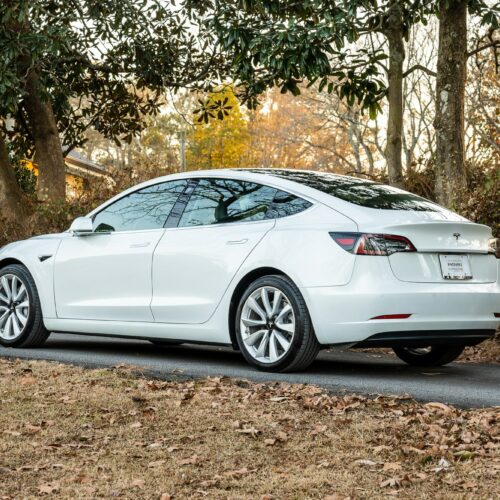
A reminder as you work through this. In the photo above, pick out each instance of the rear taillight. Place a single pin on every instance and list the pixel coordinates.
(373, 244)
(494, 247)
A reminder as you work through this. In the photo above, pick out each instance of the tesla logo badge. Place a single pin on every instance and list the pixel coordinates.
(456, 235)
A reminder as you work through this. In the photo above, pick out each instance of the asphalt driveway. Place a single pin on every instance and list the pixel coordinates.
(461, 384)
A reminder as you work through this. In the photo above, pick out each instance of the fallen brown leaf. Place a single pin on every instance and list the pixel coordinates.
(138, 483)
(195, 459)
(390, 466)
(48, 488)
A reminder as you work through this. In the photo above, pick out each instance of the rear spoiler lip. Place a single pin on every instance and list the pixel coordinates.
(474, 238)
(457, 251)
(423, 223)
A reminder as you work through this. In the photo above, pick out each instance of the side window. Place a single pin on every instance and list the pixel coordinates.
(285, 204)
(147, 208)
(218, 201)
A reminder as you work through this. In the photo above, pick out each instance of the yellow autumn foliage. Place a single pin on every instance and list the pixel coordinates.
(220, 143)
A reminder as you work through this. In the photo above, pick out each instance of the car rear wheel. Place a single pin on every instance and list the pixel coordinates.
(429, 356)
(21, 320)
(273, 328)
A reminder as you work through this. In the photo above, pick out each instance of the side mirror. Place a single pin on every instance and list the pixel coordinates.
(82, 226)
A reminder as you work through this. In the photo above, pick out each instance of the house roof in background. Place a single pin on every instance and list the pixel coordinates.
(81, 164)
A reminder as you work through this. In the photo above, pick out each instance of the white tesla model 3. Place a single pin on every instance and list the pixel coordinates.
(276, 263)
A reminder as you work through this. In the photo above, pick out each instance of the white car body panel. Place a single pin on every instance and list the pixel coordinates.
(305, 249)
(426, 268)
(375, 291)
(29, 252)
(106, 276)
(212, 253)
(178, 283)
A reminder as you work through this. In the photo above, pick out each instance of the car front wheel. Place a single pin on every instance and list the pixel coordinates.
(429, 356)
(21, 321)
(273, 328)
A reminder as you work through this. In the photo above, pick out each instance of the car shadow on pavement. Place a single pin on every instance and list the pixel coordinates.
(329, 363)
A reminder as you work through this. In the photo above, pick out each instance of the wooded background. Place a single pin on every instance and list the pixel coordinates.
(404, 92)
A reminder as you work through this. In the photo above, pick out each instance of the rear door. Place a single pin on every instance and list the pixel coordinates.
(194, 263)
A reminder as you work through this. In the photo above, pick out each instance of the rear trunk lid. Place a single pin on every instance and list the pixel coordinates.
(444, 236)
(443, 247)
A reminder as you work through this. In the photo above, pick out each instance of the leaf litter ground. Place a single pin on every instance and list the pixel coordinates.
(68, 432)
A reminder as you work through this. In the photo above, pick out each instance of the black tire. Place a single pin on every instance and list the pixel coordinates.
(34, 333)
(166, 343)
(437, 355)
(304, 346)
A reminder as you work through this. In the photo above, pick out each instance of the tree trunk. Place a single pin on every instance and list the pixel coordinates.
(393, 150)
(48, 151)
(450, 88)
(353, 117)
(11, 205)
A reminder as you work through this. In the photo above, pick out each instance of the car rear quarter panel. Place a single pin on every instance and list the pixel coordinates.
(301, 247)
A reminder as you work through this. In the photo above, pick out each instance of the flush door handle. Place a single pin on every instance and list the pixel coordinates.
(237, 242)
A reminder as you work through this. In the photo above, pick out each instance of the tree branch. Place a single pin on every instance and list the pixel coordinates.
(421, 68)
(495, 43)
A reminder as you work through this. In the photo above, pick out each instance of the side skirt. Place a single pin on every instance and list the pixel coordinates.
(207, 333)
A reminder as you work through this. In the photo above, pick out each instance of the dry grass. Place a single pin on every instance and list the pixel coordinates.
(70, 432)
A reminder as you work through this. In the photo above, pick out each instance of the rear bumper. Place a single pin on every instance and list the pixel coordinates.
(423, 338)
(342, 314)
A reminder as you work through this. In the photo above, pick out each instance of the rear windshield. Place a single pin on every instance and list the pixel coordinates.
(358, 191)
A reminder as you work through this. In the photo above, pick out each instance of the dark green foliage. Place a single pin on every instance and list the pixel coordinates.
(285, 42)
(282, 43)
(106, 64)
(211, 108)
(102, 64)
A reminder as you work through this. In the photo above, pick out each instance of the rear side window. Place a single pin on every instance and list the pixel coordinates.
(358, 191)
(221, 201)
(285, 204)
(147, 208)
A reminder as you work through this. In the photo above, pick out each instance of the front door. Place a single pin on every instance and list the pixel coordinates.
(107, 275)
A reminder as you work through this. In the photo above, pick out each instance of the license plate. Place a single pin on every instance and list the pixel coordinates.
(455, 267)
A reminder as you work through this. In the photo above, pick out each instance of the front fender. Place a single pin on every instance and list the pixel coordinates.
(38, 256)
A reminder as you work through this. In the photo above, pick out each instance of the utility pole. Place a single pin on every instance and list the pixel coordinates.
(182, 139)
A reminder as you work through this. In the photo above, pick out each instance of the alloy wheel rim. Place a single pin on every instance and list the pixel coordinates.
(14, 307)
(267, 324)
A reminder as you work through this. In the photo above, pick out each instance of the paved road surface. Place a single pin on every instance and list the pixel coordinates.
(460, 384)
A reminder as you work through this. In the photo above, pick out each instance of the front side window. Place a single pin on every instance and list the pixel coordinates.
(147, 208)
